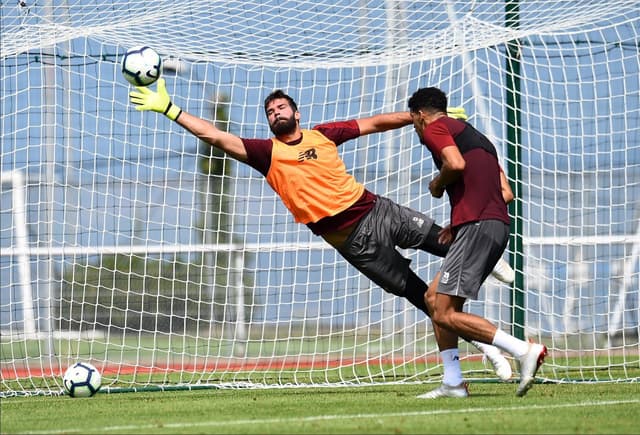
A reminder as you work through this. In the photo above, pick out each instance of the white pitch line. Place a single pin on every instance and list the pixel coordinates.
(338, 417)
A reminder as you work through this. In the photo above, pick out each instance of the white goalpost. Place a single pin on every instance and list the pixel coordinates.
(127, 243)
(15, 179)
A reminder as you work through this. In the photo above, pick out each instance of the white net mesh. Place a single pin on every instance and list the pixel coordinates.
(127, 243)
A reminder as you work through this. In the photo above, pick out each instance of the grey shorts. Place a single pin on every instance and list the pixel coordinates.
(472, 256)
(371, 247)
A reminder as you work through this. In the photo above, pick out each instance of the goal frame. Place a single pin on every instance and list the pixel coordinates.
(136, 247)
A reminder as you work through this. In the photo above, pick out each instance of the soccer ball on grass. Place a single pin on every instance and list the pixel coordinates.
(141, 66)
(82, 380)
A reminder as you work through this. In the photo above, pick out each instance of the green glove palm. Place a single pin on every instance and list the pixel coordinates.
(146, 99)
(457, 113)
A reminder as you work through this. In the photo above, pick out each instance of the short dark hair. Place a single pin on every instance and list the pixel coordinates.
(277, 94)
(428, 99)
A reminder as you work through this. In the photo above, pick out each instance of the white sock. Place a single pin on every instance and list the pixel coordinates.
(452, 371)
(510, 344)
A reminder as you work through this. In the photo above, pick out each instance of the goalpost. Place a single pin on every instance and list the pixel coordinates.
(168, 265)
(15, 179)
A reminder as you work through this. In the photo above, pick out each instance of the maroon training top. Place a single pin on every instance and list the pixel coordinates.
(477, 194)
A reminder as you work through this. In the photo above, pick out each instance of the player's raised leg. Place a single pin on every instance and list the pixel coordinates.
(502, 271)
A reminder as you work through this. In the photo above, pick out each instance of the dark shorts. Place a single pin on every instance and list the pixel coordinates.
(472, 256)
(371, 247)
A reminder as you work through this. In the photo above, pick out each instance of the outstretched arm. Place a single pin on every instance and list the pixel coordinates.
(393, 120)
(383, 122)
(159, 101)
(210, 134)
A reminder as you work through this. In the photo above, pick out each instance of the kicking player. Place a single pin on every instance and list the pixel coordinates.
(478, 192)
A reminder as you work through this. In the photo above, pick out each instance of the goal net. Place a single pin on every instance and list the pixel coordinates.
(127, 243)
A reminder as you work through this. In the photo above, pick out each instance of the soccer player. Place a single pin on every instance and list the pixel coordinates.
(478, 192)
(304, 168)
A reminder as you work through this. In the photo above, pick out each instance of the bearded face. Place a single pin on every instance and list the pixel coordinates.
(282, 125)
(282, 118)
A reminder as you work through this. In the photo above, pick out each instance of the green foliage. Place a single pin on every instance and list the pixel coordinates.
(131, 292)
(212, 160)
(134, 292)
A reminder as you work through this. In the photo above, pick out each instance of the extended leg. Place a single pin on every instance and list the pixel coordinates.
(448, 314)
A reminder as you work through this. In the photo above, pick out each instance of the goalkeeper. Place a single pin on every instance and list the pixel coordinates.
(304, 168)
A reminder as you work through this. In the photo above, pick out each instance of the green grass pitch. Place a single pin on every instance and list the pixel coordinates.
(569, 408)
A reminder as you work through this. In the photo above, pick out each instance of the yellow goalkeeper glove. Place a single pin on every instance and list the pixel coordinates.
(457, 113)
(146, 99)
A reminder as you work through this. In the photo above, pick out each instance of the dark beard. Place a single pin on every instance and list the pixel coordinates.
(280, 128)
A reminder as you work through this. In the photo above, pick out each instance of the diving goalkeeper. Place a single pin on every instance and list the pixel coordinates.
(304, 168)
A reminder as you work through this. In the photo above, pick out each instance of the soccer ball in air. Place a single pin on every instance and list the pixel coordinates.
(82, 380)
(141, 66)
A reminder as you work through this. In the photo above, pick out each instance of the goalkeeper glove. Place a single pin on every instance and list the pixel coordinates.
(457, 113)
(158, 101)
